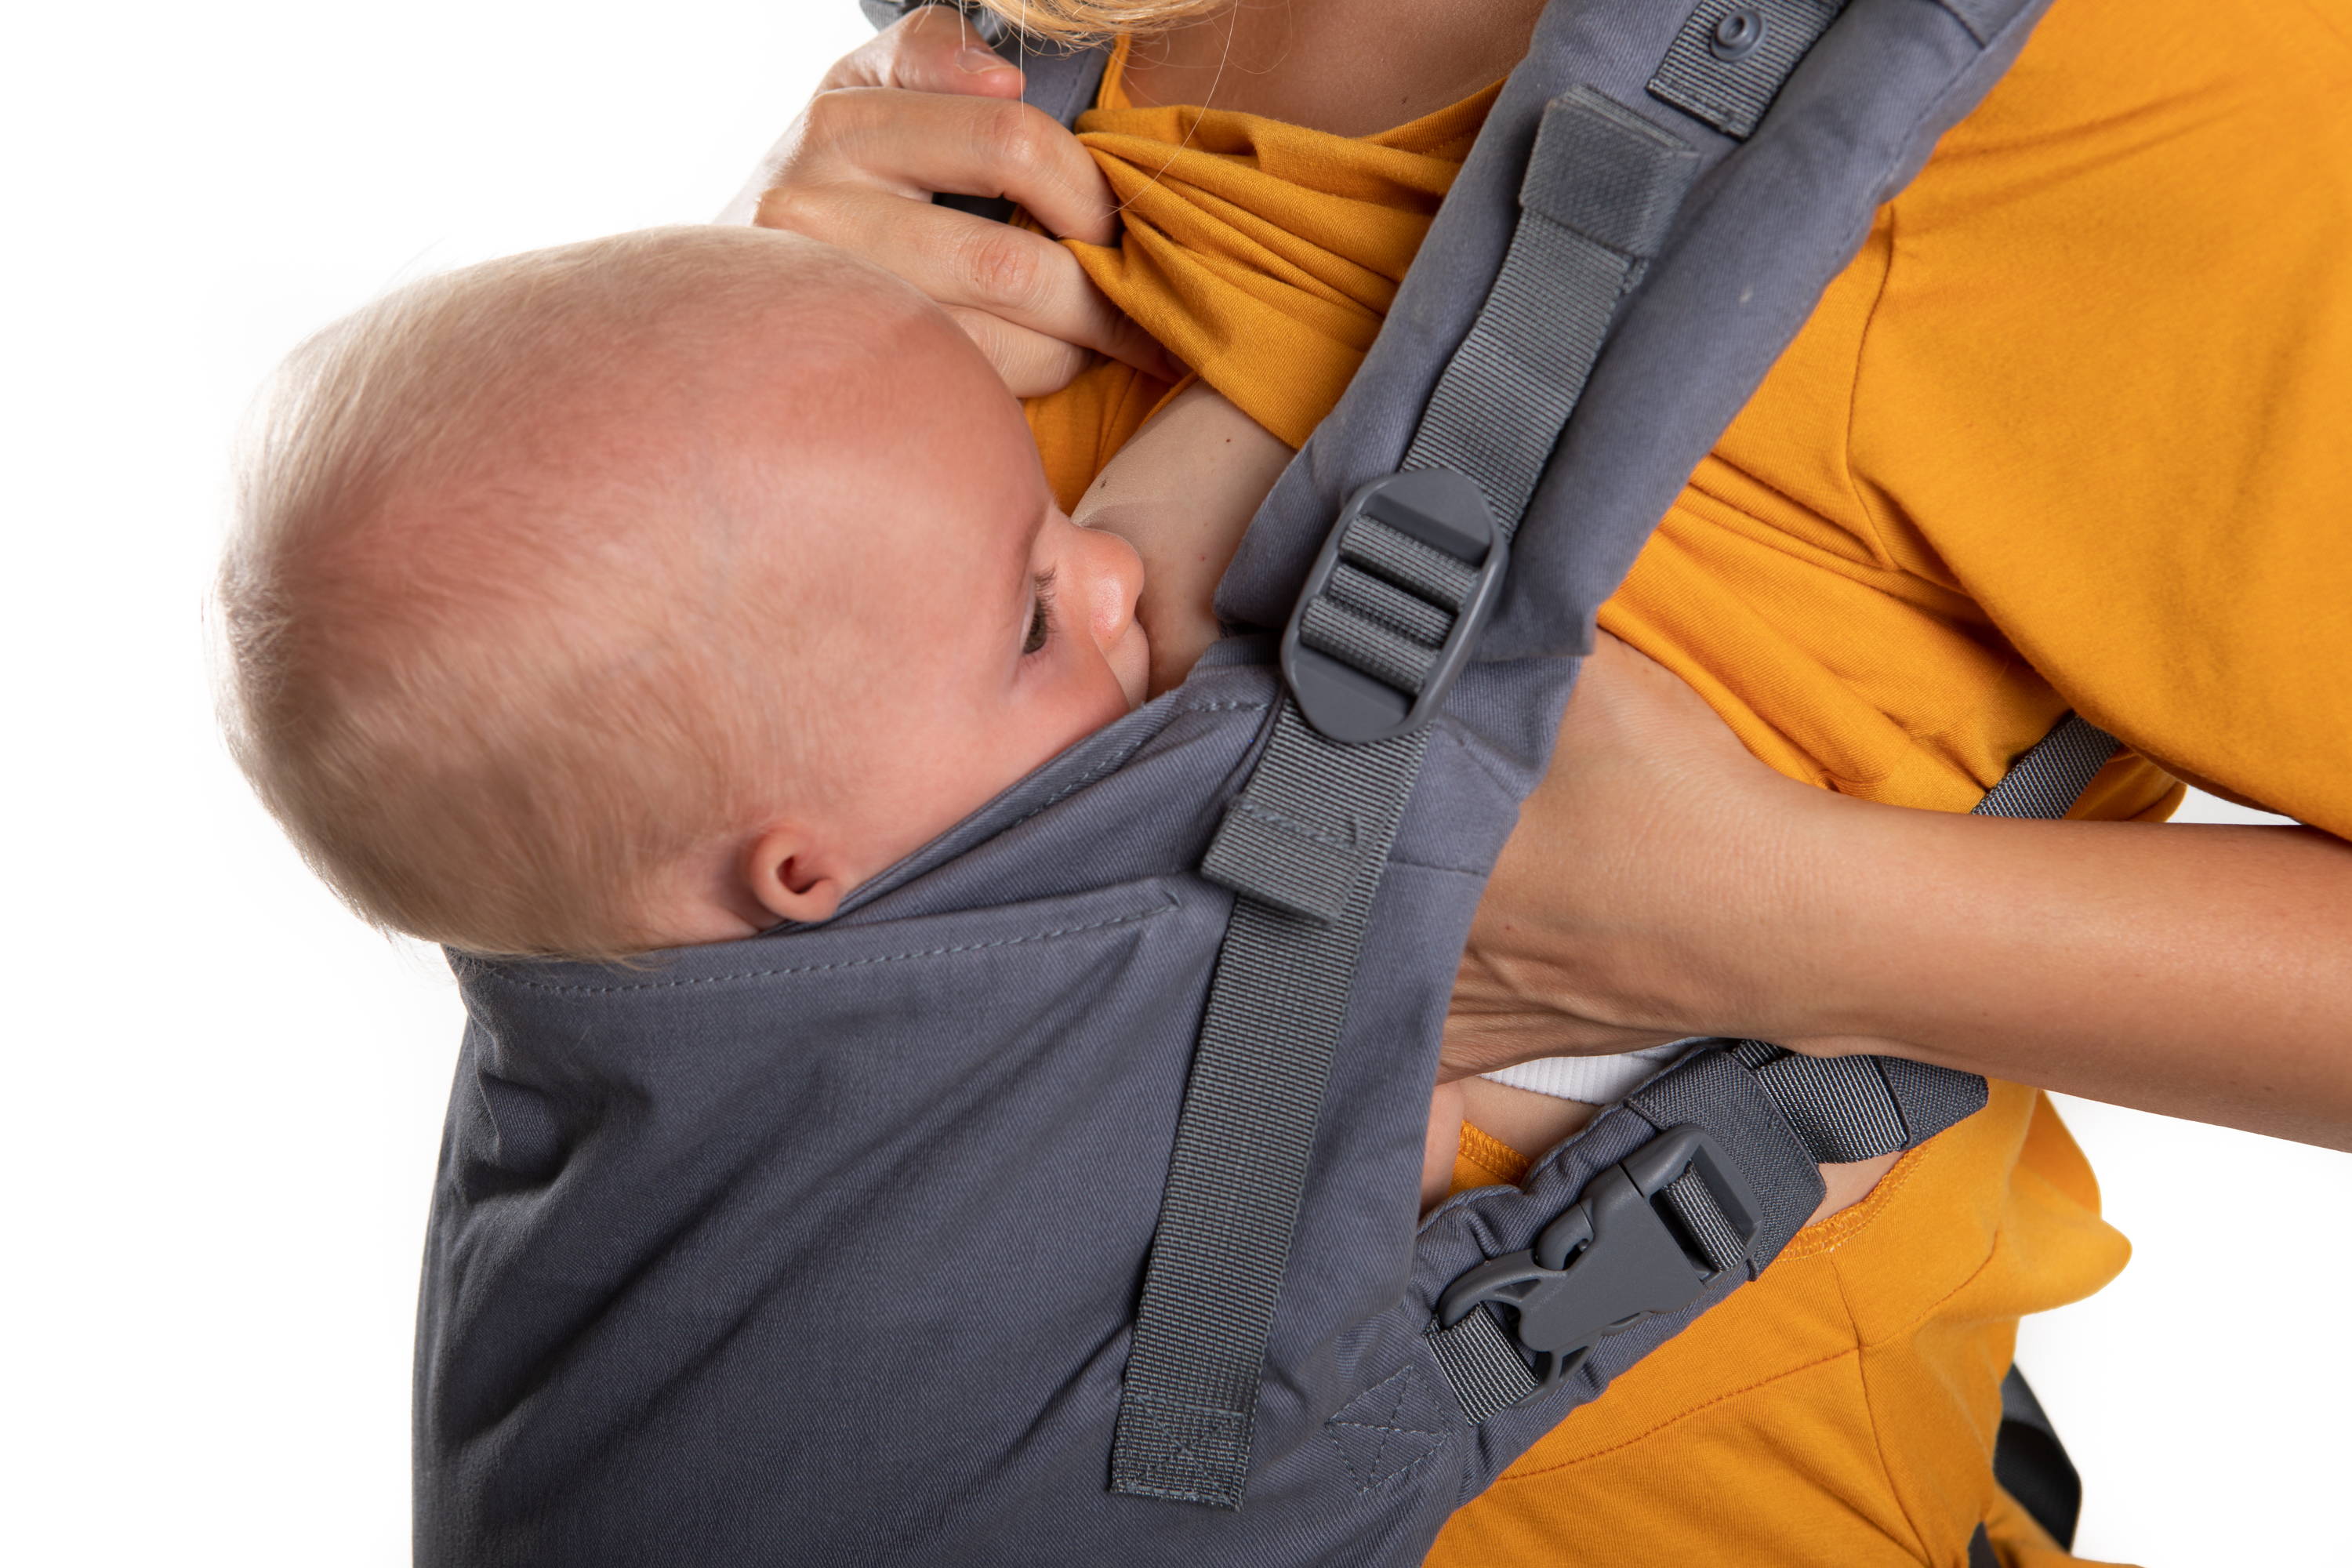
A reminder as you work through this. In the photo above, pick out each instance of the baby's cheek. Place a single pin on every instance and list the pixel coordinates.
(1089, 692)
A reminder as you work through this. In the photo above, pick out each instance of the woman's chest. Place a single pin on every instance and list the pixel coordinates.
(1350, 67)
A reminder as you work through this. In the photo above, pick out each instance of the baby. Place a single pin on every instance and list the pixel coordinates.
(653, 591)
(657, 590)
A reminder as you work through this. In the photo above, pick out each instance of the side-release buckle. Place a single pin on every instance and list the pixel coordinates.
(1392, 604)
(1627, 1249)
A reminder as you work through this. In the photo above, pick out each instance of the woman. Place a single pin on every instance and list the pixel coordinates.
(1984, 475)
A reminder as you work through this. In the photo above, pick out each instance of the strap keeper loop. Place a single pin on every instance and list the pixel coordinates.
(1277, 860)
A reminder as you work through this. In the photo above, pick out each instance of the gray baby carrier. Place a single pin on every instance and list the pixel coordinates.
(1057, 1204)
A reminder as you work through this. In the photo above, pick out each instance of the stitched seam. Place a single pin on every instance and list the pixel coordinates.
(824, 968)
(1381, 1449)
(1365, 1483)
(1677, 1419)
(1479, 760)
(1844, 1226)
(1433, 865)
(1885, 555)
(1293, 825)
(1870, 1414)
(1492, 1156)
(1112, 766)
(1365, 1486)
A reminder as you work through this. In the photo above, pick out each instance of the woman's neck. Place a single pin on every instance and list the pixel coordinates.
(1350, 67)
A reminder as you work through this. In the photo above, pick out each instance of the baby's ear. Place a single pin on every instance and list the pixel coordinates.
(787, 876)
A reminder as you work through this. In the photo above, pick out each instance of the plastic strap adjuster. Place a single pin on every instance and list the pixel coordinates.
(1614, 1258)
(1411, 553)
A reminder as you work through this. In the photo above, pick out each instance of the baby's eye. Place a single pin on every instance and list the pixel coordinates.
(1041, 616)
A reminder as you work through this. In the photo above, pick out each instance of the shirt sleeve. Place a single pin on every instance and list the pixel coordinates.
(2107, 390)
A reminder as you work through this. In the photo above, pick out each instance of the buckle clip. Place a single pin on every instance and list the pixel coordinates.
(1612, 1258)
(1392, 604)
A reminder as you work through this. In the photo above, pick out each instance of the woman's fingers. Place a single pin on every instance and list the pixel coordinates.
(925, 109)
(932, 50)
(966, 263)
(913, 144)
(1032, 363)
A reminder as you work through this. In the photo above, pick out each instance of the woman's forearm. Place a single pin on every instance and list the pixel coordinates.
(2202, 972)
(1664, 883)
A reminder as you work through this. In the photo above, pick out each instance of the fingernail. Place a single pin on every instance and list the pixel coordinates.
(980, 62)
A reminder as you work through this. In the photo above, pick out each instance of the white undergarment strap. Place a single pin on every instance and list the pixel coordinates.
(1595, 1080)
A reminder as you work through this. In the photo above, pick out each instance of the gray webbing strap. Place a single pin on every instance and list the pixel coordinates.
(1314, 829)
(2048, 780)
(1307, 844)
(1731, 58)
(1841, 1109)
(1601, 191)
(1485, 1368)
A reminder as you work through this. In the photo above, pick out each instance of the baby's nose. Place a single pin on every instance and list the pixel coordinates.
(1115, 581)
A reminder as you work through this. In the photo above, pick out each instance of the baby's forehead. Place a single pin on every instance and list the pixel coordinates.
(814, 439)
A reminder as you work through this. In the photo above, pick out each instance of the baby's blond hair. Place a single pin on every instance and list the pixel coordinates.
(497, 686)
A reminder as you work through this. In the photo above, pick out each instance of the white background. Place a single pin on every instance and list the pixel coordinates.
(224, 1095)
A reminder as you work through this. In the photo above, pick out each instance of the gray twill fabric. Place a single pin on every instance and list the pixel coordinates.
(1598, 194)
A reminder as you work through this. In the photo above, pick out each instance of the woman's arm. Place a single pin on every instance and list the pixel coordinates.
(2202, 972)
(1664, 883)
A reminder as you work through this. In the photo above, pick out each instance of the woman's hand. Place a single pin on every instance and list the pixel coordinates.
(925, 108)
(1635, 903)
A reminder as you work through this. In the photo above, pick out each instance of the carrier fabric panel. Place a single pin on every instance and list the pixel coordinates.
(822, 1247)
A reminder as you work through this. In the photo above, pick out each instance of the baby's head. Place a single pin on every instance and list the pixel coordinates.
(652, 591)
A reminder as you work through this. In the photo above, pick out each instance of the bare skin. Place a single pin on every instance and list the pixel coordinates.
(2197, 972)
(1378, 63)
(1182, 492)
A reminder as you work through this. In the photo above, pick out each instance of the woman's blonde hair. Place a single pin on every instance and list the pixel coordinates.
(1092, 21)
